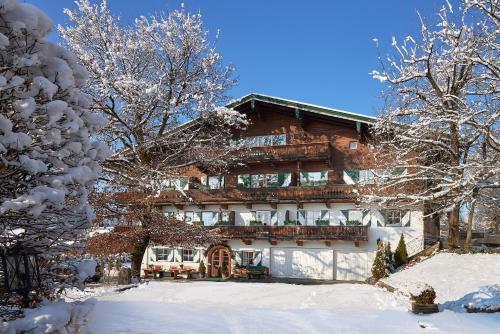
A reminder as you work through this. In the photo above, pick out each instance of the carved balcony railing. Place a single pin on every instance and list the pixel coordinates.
(287, 152)
(233, 195)
(352, 233)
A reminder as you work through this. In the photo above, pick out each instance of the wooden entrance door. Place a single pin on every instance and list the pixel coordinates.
(219, 257)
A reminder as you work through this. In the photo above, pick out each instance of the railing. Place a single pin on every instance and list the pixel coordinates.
(318, 193)
(354, 233)
(287, 152)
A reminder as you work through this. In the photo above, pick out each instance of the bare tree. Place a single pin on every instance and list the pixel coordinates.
(440, 122)
(161, 84)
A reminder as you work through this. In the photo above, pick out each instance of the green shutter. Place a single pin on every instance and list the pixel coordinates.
(244, 181)
(301, 217)
(344, 213)
(281, 179)
(353, 174)
(274, 218)
(367, 218)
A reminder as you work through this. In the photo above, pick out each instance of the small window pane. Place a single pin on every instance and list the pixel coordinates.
(187, 255)
(353, 145)
(247, 258)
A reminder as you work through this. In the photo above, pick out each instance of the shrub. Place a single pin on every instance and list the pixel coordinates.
(378, 267)
(426, 296)
(388, 258)
(201, 269)
(401, 254)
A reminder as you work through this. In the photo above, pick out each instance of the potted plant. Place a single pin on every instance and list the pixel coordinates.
(224, 271)
(423, 302)
(202, 270)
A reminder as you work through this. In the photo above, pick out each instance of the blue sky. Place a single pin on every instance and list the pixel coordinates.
(313, 51)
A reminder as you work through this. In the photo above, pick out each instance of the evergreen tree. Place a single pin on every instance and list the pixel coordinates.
(378, 267)
(401, 254)
(389, 258)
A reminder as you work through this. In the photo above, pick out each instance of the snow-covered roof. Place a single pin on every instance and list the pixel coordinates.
(303, 106)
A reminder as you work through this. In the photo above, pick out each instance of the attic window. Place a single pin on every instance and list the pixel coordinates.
(353, 145)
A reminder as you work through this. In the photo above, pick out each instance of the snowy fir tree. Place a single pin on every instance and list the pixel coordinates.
(401, 254)
(161, 85)
(438, 136)
(388, 258)
(379, 267)
(48, 159)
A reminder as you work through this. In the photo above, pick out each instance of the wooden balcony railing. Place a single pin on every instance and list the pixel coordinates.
(287, 152)
(233, 195)
(354, 233)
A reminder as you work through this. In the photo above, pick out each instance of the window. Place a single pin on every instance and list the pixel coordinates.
(355, 218)
(256, 141)
(312, 217)
(247, 258)
(215, 182)
(187, 255)
(314, 178)
(393, 218)
(174, 184)
(366, 177)
(353, 145)
(161, 254)
(264, 180)
(208, 218)
(168, 213)
(263, 216)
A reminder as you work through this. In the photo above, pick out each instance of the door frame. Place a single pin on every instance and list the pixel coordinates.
(212, 270)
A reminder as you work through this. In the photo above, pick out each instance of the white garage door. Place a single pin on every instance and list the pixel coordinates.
(354, 266)
(302, 263)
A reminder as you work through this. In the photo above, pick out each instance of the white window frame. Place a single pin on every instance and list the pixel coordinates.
(393, 214)
(259, 214)
(247, 257)
(190, 255)
(164, 253)
(218, 184)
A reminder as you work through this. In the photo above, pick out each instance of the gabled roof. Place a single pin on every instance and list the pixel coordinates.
(303, 106)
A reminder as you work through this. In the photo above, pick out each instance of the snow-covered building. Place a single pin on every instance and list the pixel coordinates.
(291, 205)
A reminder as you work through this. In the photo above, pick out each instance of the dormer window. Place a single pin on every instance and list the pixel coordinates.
(353, 145)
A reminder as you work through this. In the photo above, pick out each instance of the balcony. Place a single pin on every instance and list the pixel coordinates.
(351, 233)
(340, 192)
(287, 152)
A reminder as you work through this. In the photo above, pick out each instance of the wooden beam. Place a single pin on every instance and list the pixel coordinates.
(328, 243)
(201, 206)
(274, 206)
(179, 206)
(248, 205)
(300, 242)
(224, 206)
(356, 243)
(328, 205)
(247, 241)
(300, 205)
(273, 242)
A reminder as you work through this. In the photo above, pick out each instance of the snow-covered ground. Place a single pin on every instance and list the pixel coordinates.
(457, 279)
(211, 307)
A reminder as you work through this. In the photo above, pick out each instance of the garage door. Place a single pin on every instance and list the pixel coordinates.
(302, 263)
(354, 266)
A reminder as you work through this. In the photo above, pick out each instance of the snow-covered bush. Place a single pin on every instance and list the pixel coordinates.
(48, 159)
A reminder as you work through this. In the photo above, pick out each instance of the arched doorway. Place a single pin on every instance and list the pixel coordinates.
(218, 256)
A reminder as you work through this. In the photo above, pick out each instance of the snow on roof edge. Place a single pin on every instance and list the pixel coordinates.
(303, 105)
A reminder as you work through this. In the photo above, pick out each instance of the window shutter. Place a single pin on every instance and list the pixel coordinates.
(281, 179)
(366, 218)
(351, 176)
(204, 180)
(325, 215)
(177, 254)
(238, 256)
(215, 217)
(244, 181)
(405, 218)
(197, 255)
(344, 217)
(257, 258)
(253, 215)
(301, 217)
(232, 218)
(274, 218)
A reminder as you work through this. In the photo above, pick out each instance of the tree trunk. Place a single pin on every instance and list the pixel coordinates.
(137, 255)
(469, 223)
(454, 227)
